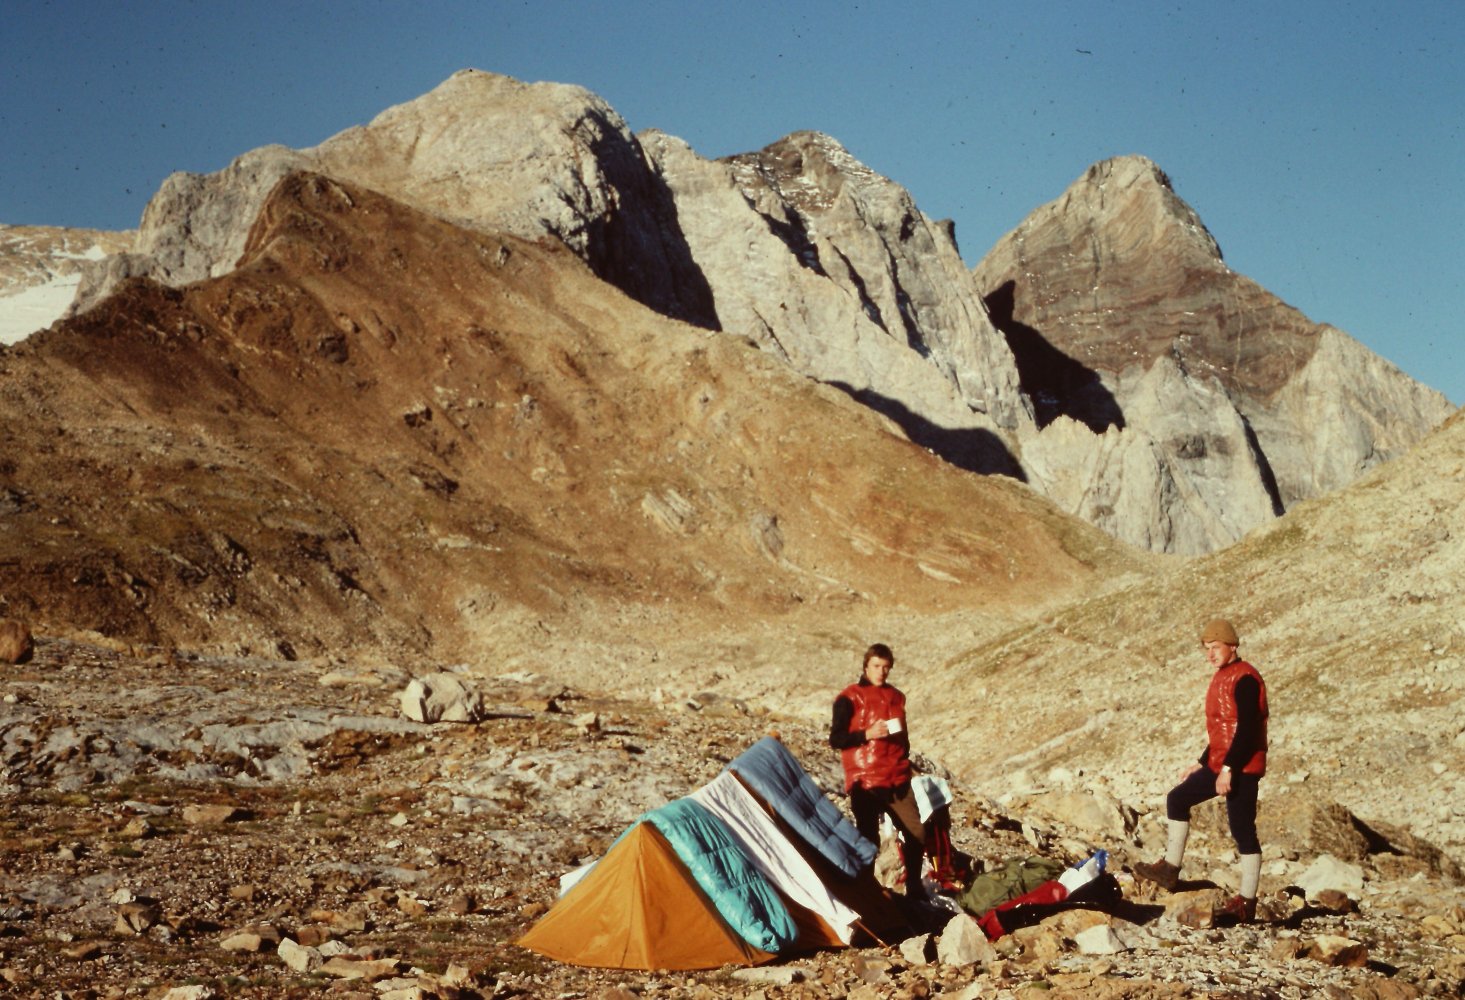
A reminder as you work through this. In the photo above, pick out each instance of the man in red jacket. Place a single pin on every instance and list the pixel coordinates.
(869, 731)
(1232, 766)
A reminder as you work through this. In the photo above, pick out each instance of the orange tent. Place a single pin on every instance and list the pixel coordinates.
(693, 884)
(639, 908)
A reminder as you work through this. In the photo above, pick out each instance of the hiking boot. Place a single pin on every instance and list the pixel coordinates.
(1237, 908)
(1162, 873)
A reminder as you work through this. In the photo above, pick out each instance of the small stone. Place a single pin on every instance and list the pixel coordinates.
(242, 941)
(299, 958)
(84, 952)
(210, 815)
(770, 975)
(359, 968)
(198, 991)
(1331, 949)
(244, 893)
(138, 829)
(963, 942)
(136, 917)
(1098, 940)
(916, 950)
(1327, 872)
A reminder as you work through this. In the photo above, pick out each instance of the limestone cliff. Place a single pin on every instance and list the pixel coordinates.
(832, 267)
(1119, 276)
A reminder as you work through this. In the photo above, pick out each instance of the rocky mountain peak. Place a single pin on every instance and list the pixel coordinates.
(1125, 188)
(1118, 276)
(831, 267)
(807, 169)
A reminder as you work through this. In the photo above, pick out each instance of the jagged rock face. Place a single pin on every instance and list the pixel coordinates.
(480, 150)
(813, 255)
(385, 431)
(1183, 477)
(832, 267)
(1344, 411)
(1095, 288)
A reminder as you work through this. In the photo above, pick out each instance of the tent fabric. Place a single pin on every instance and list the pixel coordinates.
(779, 780)
(726, 874)
(772, 853)
(639, 908)
(680, 889)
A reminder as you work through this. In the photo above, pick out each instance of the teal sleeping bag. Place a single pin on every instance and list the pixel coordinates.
(723, 870)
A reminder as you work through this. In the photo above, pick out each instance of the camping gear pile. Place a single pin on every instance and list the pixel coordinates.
(756, 864)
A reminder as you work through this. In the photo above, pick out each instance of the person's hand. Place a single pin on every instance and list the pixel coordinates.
(1186, 772)
(878, 731)
(1223, 782)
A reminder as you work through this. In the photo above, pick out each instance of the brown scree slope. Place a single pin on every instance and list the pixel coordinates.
(382, 432)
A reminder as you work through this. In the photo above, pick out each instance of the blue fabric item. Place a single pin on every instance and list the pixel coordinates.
(781, 781)
(749, 904)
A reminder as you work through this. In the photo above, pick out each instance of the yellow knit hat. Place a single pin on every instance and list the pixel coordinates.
(1219, 630)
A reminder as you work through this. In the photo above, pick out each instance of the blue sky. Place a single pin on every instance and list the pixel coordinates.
(1321, 142)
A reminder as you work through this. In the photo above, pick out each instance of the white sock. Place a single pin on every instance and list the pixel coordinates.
(1178, 834)
(1251, 874)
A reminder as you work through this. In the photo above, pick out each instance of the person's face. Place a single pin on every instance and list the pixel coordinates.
(877, 668)
(1219, 653)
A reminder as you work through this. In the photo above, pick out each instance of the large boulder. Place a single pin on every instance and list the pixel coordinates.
(442, 697)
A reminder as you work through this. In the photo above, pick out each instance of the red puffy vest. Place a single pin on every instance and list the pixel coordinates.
(1221, 716)
(882, 763)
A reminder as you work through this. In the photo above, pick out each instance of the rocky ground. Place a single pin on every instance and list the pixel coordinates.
(181, 826)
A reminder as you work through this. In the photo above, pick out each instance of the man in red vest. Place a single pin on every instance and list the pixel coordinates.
(869, 731)
(1232, 766)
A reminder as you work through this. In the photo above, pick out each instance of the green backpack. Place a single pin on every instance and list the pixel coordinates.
(1015, 877)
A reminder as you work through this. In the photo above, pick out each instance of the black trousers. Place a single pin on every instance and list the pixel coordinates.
(899, 803)
(1240, 804)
